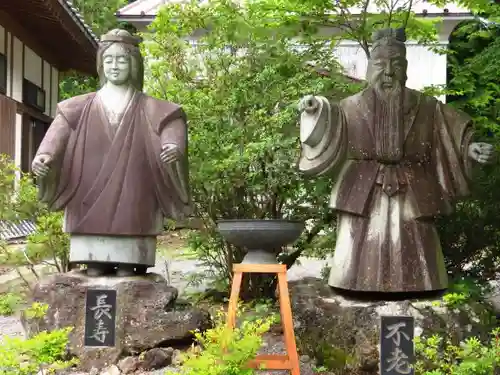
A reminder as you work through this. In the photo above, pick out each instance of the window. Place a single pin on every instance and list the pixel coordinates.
(33, 95)
(3, 73)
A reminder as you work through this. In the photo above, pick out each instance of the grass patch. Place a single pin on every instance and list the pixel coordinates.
(10, 303)
(173, 245)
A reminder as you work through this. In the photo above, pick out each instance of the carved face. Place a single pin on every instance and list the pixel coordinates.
(387, 69)
(116, 64)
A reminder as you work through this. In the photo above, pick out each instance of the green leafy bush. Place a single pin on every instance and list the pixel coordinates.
(438, 356)
(224, 351)
(474, 355)
(44, 351)
(19, 201)
(239, 86)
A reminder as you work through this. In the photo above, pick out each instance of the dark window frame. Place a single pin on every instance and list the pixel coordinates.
(3, 73)
(31, 94)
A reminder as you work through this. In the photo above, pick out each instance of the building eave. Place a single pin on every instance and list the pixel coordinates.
(77, 17)
(54, 30)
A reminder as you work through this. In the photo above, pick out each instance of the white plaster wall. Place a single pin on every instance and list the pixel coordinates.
(18, 140)
(32, 67)
(425, 67)
(23, 62)
(47, 82)
(17, 73)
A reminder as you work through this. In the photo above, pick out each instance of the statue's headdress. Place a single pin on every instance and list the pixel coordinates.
(120, 36)
(390, 38)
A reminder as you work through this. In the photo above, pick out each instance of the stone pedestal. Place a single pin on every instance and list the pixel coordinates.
(344, 334)
(147, 315)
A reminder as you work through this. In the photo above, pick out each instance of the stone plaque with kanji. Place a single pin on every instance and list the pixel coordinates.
(100, 317)
(397, 354)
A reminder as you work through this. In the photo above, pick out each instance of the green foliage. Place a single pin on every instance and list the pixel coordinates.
(9, 303)
(470, 236)
(474, 355)
(239, 86)
(100, 16)
(44, 351)
(437, 356)
(227, 351)
(463, 291)
(19, 201)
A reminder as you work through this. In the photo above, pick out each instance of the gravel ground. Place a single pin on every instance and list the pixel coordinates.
(178, 270)
(10, 326)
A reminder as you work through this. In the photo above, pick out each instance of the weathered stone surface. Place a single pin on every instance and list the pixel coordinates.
(147, 316)
(156, 358)
(177, 359)
(344, 334)
(129, 364)
(111, 370)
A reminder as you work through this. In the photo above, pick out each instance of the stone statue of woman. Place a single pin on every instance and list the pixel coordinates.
(116, 161)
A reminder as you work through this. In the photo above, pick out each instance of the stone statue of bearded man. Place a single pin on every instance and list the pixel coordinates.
(116, 162)
(399, 158)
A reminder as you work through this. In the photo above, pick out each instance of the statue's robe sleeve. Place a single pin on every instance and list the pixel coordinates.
(453, 135)
(55, 144)
(169, 126)
(328, 155)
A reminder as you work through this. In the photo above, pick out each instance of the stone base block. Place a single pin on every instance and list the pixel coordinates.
(344, 334)
(147, 315)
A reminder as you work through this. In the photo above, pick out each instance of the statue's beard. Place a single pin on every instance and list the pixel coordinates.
(388, 120)
(384, 92)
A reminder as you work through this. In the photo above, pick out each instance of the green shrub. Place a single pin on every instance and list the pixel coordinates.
(225, 351)
(48, 245)
(475, 355)
(44, 351)
(438, 356)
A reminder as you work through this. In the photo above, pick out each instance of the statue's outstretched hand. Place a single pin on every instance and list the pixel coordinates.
(41, 165)
(309, 103)
(481, 152)
(170, 153)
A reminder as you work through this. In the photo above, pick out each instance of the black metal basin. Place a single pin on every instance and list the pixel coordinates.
(262, 238)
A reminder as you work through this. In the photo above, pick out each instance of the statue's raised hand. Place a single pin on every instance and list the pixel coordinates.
(481, 152)
(170, 153)
(41, 165)
(309, 104)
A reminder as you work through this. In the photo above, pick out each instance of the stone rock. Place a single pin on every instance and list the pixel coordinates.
(343, 334)
(177, 359)
(169, 351)
(305, 358)
(146, 317)
(494, 295)
(156, 358)
(129, 364)
(111, 370)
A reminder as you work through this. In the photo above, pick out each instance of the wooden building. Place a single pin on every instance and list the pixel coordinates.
(39, 40)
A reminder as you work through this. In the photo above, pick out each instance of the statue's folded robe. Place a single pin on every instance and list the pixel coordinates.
(115, 184)
(386, 239)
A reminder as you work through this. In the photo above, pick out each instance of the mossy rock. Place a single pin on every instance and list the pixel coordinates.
(343, 335)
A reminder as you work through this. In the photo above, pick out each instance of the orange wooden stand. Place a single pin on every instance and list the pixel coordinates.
(289, 361)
